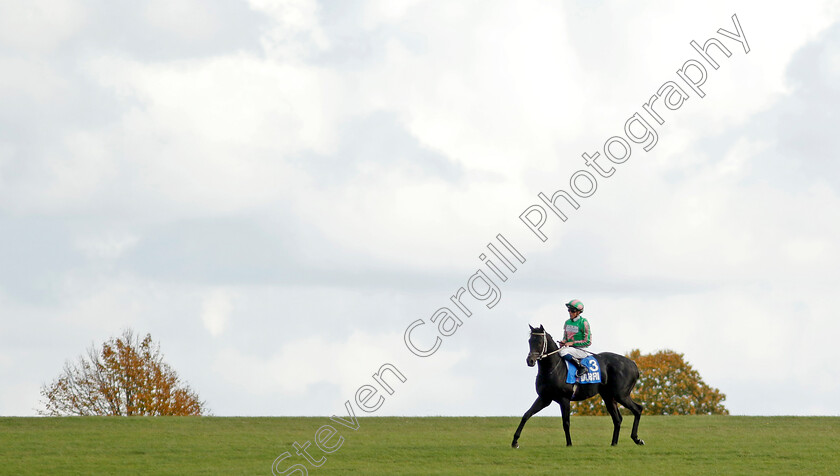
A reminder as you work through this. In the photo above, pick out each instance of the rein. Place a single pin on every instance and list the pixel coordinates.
(543, 354)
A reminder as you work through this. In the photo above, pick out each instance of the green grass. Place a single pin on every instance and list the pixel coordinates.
(429, 446)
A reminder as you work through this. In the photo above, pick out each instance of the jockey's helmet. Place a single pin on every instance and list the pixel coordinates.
(574, 304)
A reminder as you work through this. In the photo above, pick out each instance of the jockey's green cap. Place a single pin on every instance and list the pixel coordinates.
(575, 304)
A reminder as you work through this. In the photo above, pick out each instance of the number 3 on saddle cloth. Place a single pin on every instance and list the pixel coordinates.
(593, 374)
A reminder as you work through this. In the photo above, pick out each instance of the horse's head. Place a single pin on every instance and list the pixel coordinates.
(537, 342)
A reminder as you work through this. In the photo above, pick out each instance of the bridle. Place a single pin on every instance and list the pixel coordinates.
(543, 354)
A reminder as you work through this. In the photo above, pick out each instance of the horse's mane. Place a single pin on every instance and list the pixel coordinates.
(540, 329)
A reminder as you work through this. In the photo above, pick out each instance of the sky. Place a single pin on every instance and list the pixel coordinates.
(278, 191)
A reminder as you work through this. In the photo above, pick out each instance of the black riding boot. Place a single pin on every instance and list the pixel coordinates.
(581, 370)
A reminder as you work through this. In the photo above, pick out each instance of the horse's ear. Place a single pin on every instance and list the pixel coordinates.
(532, 327)
(542, 328)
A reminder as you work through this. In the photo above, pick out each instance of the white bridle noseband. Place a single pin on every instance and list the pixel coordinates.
(545, 346)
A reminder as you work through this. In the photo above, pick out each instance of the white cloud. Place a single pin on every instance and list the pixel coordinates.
(485, 90)
(348, 364)
(186, 18)
(216, 309)
(217, 134)
(111, 245)
(39, 25)
(379, 12)
(101, 306)
(35, 80)
(296, 32)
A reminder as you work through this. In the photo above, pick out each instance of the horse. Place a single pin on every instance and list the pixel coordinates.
(618, 377)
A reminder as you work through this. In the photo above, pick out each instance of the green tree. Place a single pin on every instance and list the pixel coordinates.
(668, 385)
(126, 376)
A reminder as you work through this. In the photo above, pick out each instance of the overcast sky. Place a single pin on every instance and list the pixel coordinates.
(276, 190)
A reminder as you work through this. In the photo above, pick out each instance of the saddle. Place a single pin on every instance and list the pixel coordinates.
(593, 374)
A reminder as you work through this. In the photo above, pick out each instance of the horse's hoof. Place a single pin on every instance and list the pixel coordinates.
(640, 442)
(514, 445)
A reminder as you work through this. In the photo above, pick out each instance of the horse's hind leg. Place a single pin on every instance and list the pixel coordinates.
(637, 415)
(538, 405)
(612, 409)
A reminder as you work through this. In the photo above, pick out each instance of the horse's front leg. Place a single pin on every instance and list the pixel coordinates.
(565, 408)
(538, 405)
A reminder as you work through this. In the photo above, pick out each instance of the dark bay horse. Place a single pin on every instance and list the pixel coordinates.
(618, 377)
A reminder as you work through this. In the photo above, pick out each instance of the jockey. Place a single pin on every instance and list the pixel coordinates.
(576, 336)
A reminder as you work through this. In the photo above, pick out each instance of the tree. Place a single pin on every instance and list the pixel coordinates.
(126, 376)
(667, 385)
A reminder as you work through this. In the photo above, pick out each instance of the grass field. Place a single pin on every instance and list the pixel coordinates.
(427, 446)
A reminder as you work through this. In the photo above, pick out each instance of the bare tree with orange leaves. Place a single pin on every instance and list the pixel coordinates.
(668, 385)
(125, 377)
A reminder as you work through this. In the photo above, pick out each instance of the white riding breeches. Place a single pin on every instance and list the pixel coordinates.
(574, 352)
